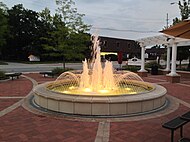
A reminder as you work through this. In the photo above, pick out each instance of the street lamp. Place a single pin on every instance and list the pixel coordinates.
(167, 18)
(172, 3)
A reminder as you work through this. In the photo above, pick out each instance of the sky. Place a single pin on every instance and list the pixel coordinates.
(126, 19)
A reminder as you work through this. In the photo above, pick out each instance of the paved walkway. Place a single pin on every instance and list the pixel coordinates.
(20, 124)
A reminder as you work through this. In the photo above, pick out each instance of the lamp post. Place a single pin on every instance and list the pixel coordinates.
(167, 20)
(172, 3)
(167, 17)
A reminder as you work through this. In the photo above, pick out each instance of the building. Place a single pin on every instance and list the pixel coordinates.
(129, 48)
(33, 58)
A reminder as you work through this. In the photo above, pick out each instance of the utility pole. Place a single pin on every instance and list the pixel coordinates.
(167, 20)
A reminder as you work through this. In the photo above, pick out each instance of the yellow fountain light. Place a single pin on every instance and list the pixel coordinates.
(71, 88)
(133, 93)
(128, 89)
(107, 53)
(103, 91)
(87, 90)
(66, 92)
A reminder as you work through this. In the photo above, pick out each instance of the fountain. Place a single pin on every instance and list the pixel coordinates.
(99, 91)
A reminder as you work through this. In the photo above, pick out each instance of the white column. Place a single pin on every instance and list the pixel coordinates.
(142, 59)
(174, 55)
(168, 58)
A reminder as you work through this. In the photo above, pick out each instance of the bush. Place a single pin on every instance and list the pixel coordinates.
(184, 69)
(58, 71)
(151, 64)
(131, 68)
(2, 75)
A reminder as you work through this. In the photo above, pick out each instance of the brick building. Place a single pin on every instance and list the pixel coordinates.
(126, 46)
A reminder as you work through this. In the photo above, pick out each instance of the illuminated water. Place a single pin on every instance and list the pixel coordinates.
(99, 81)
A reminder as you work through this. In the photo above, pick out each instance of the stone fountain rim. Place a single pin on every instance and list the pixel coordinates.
(43, 91)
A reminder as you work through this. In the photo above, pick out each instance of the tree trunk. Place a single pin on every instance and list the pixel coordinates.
(180, 64)
(63, 62)
(188, 67)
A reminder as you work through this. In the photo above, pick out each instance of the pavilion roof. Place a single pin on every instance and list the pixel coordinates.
(162, 40)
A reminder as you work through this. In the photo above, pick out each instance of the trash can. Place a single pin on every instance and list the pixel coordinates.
(154, 70)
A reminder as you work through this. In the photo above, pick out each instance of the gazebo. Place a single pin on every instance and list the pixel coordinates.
(169, 42)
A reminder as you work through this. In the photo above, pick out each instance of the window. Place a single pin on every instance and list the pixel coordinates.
(117, 44)
(129, 45)
(105, 43)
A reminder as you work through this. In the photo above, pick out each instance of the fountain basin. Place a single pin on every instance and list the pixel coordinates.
(99, 105)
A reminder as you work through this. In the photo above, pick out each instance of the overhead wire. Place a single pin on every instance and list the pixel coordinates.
(124, 30)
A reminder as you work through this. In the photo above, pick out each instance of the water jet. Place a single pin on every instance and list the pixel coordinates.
(99, 91)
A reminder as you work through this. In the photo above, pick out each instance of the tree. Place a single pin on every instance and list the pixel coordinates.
(182, 54)
(78, 45)
(3, 26)
(71, 18)
(68, 38)
(185, 14)
(184, 11)
(45, 35)
(24, 29)
(65, 44)
(56, 34)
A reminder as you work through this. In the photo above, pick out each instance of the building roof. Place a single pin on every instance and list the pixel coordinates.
(109, 44)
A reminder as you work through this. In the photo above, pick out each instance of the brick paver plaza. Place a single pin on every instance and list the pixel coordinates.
(21, 124)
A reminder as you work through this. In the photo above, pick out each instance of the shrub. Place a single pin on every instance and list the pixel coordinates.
(151, 64)
(131, 68)
(184, 69)
(2, 75)
(58, 71)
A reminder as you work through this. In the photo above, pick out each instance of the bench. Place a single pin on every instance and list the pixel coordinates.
(174, 124)
(184, 140)
(13, 75)
(47, 73)
(186, 116)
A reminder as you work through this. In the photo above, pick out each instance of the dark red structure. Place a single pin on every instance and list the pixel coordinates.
(120, 57)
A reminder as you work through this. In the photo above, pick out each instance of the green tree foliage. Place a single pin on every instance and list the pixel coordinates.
(47, 41)
(182, 54)
(52, 37)
(3, 25)
(184, 7)
(24, 31)
(71, 18)
(68, 38)
(176, 20)
(63, 43)
(184, 11)
(56, 36)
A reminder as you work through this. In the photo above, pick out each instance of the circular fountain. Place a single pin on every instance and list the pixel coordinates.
(99, 91)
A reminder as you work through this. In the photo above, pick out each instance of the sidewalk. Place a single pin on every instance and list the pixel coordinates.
(18, 124)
